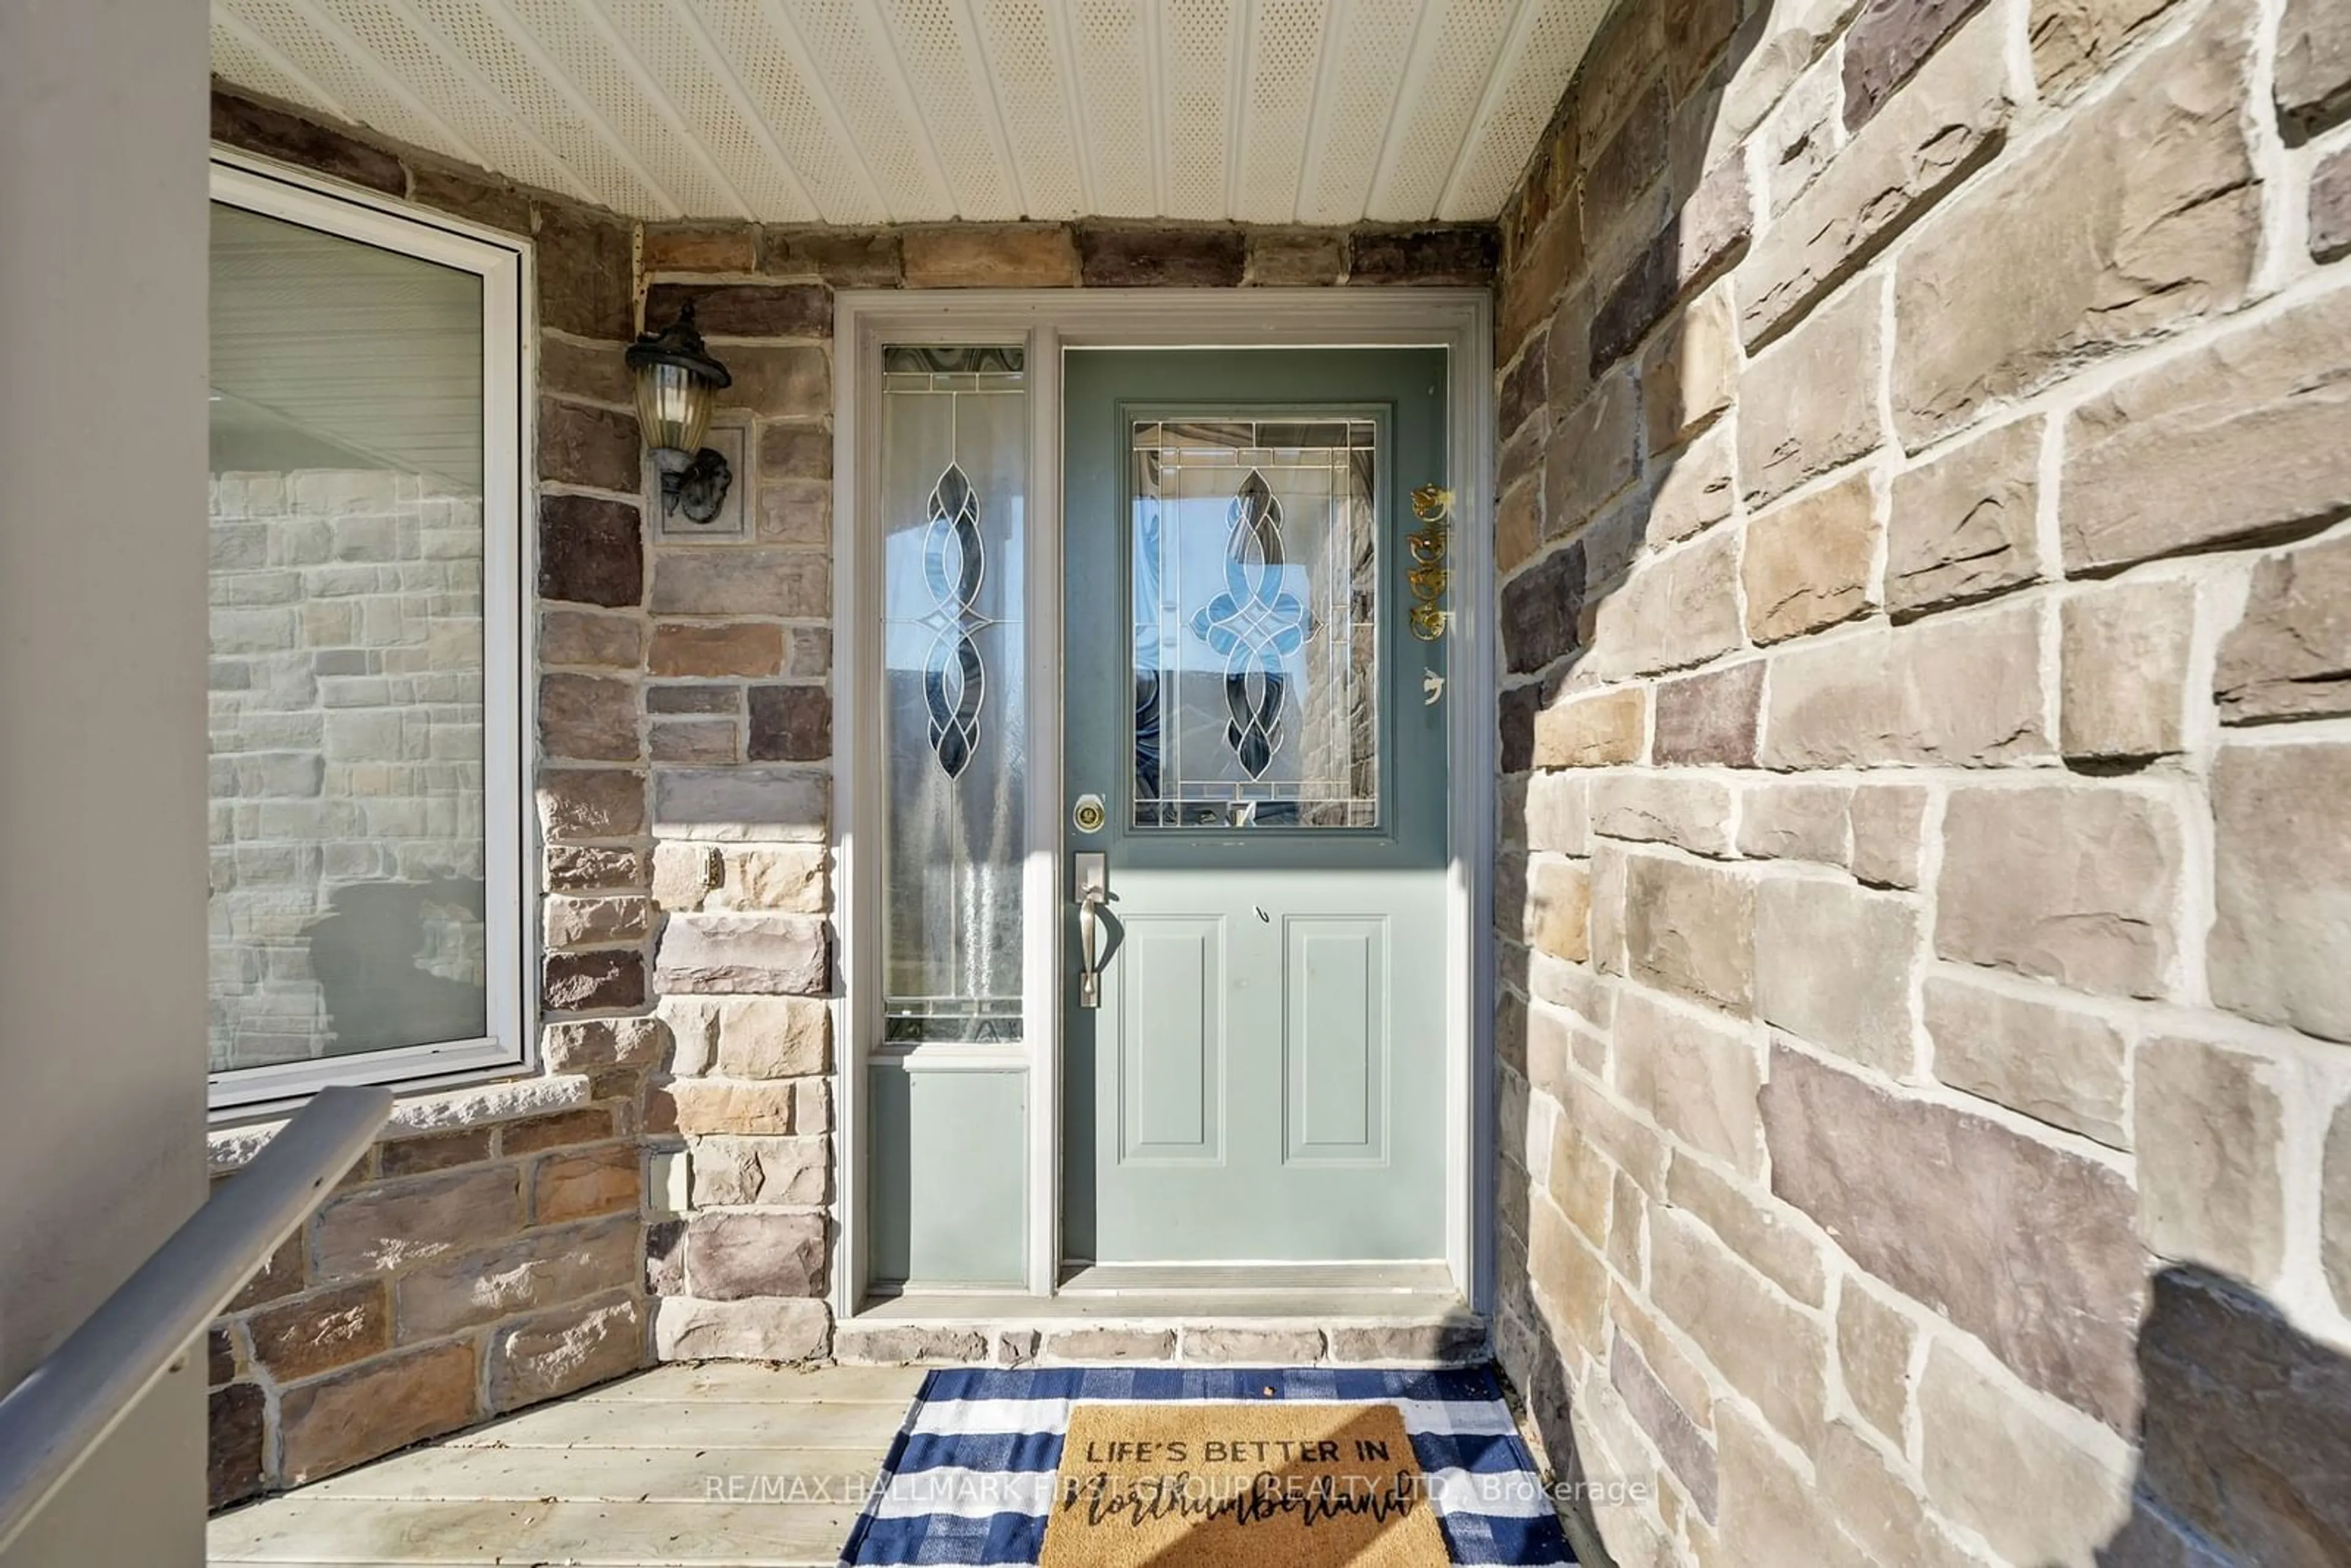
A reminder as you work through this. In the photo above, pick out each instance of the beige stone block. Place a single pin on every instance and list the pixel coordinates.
(790, 878)
(1770, 1350)
(773, 1037)
(1690, 929)
(2232, 441)
(703, 580)
(684, 874)
(1449, 1343)
(1571, 1282)
(398, 1224)
(1879, 1506)
(1996, 1462)
(1772, 1512)
(1253, 1347)
(2209, 1130)
(1559, 907)
(1687, 1384)
(1629, 1225)
(768, 954)
(765, 1329)
(1711, 717)
(1692, 490)
(563, 1352)
(1662, 807)
(1592, 730)
(1833, 966)
(1803, 136)
(1632, 1145)
(1963, 691)
(1593, 454)
(1875, 1342)
(1796, 821)
(1924, 141)
(591, 1044)
(1812, 562)
(1557, 813)
(2124, 652)
(1751, 1225)
(1694, 1078)
(1966, 524)
(1690, 373)
(587, 921)
(991, 255)
(812, 1105)
(1111, 1344)
(698, 1105)
(1580, 1182)
(338, 1420)
(1677, 609)
(2027, 1246)
(778, 1172)
(2029, 275)
(2282, 851)
(2313, 67)
(733, 1254)
(1671, 1429)
(2056, 1063)
(1809, 404)
(533, 1271)
(2073, 41)
(2289, 656)
(2079, 885)
(1888, 823)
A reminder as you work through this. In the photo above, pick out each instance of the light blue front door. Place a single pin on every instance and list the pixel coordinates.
(1261, 1079)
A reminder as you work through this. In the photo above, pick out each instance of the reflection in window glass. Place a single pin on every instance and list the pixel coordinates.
(955, 463)
(347, 647)
(1256, 646)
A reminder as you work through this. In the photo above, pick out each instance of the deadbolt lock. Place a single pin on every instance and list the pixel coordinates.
(1089, 815)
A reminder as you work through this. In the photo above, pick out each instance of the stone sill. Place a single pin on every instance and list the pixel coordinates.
(231, 1148)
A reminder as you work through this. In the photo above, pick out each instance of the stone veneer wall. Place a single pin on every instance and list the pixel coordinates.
(1927, 902)
(661, 1189)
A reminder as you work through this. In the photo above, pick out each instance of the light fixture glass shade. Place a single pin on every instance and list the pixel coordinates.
(673, 405)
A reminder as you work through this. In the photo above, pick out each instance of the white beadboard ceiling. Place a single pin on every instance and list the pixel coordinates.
(871, 111)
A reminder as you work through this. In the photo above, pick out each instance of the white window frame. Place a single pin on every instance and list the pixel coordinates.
(503, 264)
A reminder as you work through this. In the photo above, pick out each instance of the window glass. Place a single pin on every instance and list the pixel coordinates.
(347, 651)
(954, 464)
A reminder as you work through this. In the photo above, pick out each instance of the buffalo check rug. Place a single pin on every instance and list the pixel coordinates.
(1208, 1467)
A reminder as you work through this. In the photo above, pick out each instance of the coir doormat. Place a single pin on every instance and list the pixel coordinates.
(1167, 1467)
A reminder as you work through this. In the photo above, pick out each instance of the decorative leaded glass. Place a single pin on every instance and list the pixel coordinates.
(955, 463)
(1256, 576)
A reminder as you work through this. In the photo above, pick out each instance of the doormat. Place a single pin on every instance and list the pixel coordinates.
(1068, 1467)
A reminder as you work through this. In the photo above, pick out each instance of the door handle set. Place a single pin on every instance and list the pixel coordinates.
(1090, 885)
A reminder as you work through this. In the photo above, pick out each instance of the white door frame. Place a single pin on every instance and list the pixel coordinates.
(1459, 320)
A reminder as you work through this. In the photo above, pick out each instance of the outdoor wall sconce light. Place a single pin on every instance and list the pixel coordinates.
(676, 381)
(1433, 505)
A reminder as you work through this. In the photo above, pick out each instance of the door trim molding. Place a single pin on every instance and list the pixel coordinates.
(1459, 320)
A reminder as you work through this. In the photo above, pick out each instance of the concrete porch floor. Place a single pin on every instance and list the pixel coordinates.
(688, 1467)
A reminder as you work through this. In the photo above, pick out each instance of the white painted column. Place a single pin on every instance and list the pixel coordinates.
(102, 861)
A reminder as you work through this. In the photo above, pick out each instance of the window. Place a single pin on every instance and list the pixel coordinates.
(366, 772)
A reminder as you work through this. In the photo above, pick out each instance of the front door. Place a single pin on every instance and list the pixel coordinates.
(1255, 749)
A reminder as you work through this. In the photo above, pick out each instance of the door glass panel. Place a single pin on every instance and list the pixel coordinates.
(1256, 582)
(954, 467)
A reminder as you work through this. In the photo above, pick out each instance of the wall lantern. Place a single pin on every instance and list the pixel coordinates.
(677, 380)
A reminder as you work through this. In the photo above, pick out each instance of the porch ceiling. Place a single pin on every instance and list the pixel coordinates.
(869, 111)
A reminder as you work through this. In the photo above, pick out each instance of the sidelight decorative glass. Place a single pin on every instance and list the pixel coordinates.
(1256, 584)
(955, 466)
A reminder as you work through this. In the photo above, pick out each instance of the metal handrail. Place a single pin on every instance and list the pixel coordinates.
(51, 1422)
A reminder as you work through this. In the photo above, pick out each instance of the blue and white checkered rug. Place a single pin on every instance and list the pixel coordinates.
(971, 1476)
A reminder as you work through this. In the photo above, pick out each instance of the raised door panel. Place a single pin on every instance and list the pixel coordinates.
(1169, 977)
(1335, 1040)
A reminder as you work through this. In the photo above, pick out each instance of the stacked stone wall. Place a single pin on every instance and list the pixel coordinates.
(682, 786)
(1925, 903)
